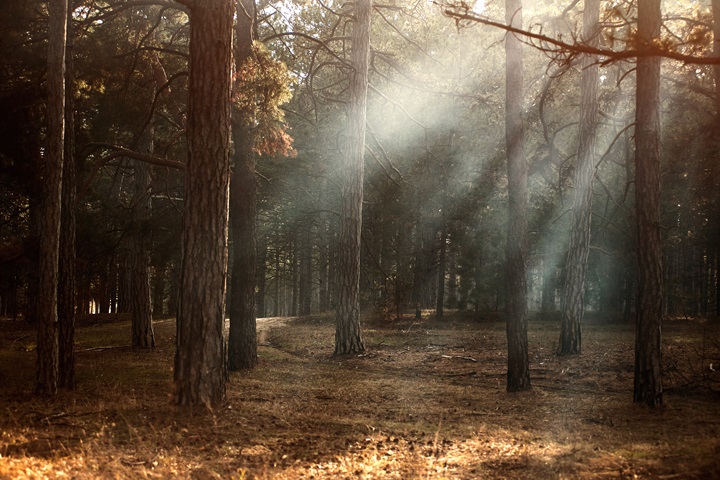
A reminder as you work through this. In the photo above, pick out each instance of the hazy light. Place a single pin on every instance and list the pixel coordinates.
(479, 7)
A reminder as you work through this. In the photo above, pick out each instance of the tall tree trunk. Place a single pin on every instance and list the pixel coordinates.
(49, 219)
(452, 274)
(174, 287)
(66, 273)
(348, 337)
(200, 358)
(242, 346)
(158, 289)
(648, 381)
(143, 335)
(518, 374)
(548, 283)
(716, 53)
(262, 276)
(716, 69)
(294, 278)
(305, 283)
(276, 303)
(442, 262)
(576, 266)
(323, 262)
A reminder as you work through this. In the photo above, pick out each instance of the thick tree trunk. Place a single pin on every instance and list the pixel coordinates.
(716, 53)
(648, 380)
(348, 337)
(49, 219)
(576, 266)
(242, 346)
(716, 69)
(518, 375)
(66, 275)
(200, 358)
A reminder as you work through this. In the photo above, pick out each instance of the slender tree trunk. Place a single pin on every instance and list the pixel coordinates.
(648, 379)
(442, 264)
(262, 276)
(158, 289)
(66, 275)
(174, 287)
(323, 262)
(548, 283)
(242, 347)
(576, 265)
(518, 375)
(143, 335)
(305, 284)
(348, 337)
(452, 275)
(200, 358)
(276, 304)
(49, 220)
(294, 290)
(120, 300)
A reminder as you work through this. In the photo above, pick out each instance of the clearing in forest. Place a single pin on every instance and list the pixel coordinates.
(426, 401)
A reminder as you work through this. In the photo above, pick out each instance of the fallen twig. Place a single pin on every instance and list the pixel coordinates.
(466, 374)
(469, 359)
(97, 349)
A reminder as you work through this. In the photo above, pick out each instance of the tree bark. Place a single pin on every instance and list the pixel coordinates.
(648, 382)
(348, 336)
(46, 379)
(66, 272)
(716, 53)
(576, 266)
(242, 346)
(323, 261)
(276, 303)
(442, 266)
(143, 335)
(716, 70)
(518, 375)
(305, 284)
(261, 276)
(200, 358)
(158, 289)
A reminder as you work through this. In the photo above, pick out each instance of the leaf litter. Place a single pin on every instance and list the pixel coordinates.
(427, 400)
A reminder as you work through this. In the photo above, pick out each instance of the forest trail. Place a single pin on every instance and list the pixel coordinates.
(266, 324)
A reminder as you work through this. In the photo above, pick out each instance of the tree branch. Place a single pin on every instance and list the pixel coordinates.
(462, 11)
(124, 152)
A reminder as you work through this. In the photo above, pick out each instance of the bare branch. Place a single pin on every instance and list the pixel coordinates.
(119, 151)
(563, 51)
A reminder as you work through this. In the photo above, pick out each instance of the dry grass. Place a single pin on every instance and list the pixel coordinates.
(426, 401)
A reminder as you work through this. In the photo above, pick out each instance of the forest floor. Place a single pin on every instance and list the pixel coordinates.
(427, 400)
